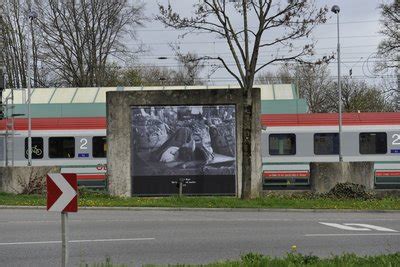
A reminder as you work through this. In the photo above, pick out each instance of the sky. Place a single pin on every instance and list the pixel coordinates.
(359, 31)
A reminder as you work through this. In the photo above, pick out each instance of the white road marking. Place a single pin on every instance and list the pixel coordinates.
(373, 227)
(29, 222)
(78, 241)
(358, 227)
(345, 227)
(369, 234)
(29, 243)
(113, 240)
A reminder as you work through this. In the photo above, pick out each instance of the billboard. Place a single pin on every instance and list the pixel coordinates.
(196, 144)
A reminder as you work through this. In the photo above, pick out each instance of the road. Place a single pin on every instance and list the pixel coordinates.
(32, 237)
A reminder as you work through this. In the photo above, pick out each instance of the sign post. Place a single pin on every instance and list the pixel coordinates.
(62, 197)
(64, 238)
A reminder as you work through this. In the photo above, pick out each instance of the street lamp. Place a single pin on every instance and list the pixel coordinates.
(336, 9)
(32, 15)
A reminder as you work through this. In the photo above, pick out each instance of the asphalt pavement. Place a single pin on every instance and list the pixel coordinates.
(32, 237)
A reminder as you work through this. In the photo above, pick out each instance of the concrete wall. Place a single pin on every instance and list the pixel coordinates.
(324, 176)
(119, 128)
(15, 179)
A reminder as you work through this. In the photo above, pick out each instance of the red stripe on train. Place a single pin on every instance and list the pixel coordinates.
(91, 176)
(286, 174)
(388, 173)
(272, 120)
(331, 119)
(21, 124)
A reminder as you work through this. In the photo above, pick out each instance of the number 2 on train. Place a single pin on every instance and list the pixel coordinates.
(396, 139)
(83, 143)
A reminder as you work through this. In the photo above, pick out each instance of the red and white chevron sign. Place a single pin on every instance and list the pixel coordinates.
(62, 192)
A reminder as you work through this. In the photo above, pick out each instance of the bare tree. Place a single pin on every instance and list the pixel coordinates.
(296, 17)
(189, 69)
(396, 101)
(316, 86)
(358, 96)
(2, 61)
(80, 37)
(282, 76)
(155, 76)
(396, 97)
(187, 73)
(313, 82)
(389, 48)
(130, 77)
(14, 32)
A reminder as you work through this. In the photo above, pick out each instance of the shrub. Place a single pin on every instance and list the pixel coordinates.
(349, 190)
(35, 184)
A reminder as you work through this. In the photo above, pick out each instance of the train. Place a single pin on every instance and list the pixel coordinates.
(290, 142)
(77, 145)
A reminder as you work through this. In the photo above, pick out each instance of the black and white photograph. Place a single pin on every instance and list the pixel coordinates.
(188, 142)
(184, 140)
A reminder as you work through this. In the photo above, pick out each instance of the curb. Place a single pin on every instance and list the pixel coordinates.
(209, 209)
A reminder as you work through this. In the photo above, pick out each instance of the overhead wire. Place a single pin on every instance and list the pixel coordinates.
(324, 24)
(265, 40)
(349, 60)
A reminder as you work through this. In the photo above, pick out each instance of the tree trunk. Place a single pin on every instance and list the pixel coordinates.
(251, 144)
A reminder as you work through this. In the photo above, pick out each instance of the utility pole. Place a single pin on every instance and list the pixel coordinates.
(397, 104)
(32, 16)
(336, 9)
(2, 62)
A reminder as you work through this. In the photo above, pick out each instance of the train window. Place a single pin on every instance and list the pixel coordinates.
(373, 143)
(99, 147)
(61, 147)
(326, 144)
(37, 148)
(282, 144)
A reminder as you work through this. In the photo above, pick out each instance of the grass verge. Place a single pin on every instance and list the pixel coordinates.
(282, 202)
(292, 260)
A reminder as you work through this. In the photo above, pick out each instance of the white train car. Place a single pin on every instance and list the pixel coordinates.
(291, 141)
(77, 145)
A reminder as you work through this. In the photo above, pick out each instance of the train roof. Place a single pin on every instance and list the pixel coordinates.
(331, 119)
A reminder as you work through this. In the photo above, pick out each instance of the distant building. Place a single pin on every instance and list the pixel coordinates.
(90, 102)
